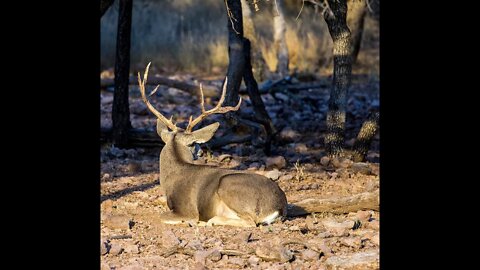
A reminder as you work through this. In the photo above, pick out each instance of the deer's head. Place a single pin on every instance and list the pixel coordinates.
(186, 139)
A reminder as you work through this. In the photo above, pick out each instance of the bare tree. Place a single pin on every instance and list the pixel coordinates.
(280, 43)
(355, 21)
(259, 65)
(336, 18)
(120, 109)
(239, 68)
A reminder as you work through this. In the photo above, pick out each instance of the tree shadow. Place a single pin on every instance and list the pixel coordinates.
(126, 191)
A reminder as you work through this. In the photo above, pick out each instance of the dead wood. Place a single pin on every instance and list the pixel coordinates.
(342, 205)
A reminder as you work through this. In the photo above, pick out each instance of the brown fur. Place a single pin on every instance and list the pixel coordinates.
(206, 193)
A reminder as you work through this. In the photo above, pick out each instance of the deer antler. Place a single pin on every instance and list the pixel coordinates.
(160, 117)
(216, 109)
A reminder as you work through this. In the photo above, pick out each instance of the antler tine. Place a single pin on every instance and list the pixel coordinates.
(217, 109)
(160, 117)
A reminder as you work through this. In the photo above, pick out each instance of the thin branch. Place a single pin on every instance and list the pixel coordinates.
(230, 16)
(303, 4)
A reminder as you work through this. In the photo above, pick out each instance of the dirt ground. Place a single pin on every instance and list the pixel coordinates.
(131, 198)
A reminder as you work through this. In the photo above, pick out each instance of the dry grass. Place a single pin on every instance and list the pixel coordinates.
(183, 35)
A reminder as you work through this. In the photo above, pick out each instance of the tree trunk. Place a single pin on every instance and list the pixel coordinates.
(120, 109)
(342, 70)
(104, 5)
(280, 43)
(261, 114)
(236, 63)
(365, 137)
(259, 66)
(355, 21)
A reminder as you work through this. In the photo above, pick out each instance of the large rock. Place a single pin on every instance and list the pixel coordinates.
(356, 261)
(278, 162)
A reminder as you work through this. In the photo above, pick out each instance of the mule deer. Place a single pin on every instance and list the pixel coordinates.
(207, 193)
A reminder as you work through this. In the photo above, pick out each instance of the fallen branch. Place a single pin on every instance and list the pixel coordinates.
(361, 201)
(208, 91)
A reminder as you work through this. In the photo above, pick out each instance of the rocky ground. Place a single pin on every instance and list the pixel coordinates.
(131, 199)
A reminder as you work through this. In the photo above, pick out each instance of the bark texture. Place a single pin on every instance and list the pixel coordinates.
(342, 70)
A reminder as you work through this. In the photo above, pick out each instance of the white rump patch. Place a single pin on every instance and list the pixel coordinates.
(270, 218)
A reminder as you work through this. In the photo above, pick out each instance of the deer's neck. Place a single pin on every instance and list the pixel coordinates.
(174, 159)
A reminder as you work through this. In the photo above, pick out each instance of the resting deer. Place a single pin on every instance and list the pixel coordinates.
(207, 193)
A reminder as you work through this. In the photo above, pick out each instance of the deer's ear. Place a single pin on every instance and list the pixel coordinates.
(204, 134)
(162, 131)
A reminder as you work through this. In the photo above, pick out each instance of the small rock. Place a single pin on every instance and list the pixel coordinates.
(374, 224)
(289, 134)
(236, 261)
(132, 249)
(281, 96)
(301, 148)
(363, 216)
(356, 261)
(195, 244)
(314, 186)
(131, 153)
(319, 245)
(338, 228)
(115, 249)
(278, 162)
(274, 174)
(375, 169)
(276, 252)
(199, 266)
(253, 260)
(122, 222)
(215, 255)
(106, 177)
(116, 152)
(354, 242)
(104, 266)
(376, 239)
(242, 237)
(201, 255)
(294, 228)
(325, 161)
(286, 177)
(361, 168)
(134, 167)
(310, 255)
(169, 239)
(342, 162)
(104, 247)
(311, 223)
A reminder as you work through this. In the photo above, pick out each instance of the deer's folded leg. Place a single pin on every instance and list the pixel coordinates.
(174, 218)
(217, 220)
